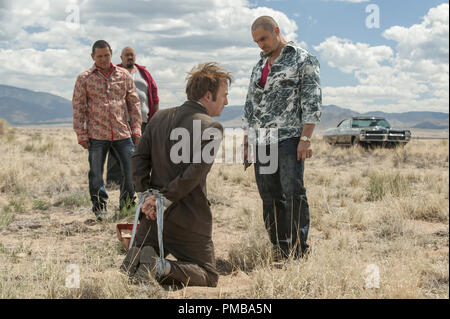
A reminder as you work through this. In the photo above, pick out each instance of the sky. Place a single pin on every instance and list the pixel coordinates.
(390, 56)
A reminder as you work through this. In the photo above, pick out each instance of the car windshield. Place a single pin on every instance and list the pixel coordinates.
(370, 122)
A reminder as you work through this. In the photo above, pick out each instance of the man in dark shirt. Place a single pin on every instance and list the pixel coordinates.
(157, 164)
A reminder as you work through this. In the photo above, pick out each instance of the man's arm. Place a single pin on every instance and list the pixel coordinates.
(247, 117)
(134, 109)
(79, 106)
(311, 104)
(154, 93)
(190, 178)
(141, 163)
(154, 96)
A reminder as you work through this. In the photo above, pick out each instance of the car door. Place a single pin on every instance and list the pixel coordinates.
(335, 133)
(344, 132)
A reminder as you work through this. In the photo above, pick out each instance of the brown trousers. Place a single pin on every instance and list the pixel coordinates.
(195, 264)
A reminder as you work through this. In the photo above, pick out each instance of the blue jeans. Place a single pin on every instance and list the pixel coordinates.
(285, 205)
(113, 172)
(97, 155)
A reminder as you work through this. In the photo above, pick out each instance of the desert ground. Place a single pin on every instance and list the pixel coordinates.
(379, 226)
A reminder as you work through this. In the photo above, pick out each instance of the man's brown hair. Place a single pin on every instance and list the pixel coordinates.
(206, 77)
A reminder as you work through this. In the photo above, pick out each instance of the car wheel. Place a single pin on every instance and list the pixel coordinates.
(355, 142)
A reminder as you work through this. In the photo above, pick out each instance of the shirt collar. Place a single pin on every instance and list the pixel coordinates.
(197, 105)
(289, 44)
(95, 68)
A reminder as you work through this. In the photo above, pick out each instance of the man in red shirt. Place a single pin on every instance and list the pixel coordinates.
(103, 98)
(148, 95)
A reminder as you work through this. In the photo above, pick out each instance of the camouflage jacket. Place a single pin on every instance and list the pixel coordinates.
(291, 97)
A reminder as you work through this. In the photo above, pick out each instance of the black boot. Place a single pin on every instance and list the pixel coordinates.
(99, 209)
(131, 262)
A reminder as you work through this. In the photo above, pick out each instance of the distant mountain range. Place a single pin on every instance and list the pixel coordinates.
(332, 115)
(21, 106)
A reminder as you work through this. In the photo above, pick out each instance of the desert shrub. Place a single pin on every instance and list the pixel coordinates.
(390, 225)
(11, 180)
(430, 208)
(41, 204)
(76, 199)
(46, 147)
(18, 203)
(381, 184)
(6, 216)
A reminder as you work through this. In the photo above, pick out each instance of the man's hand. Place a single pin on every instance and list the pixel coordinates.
(149, 207)
(85, 145)
(304, 150)
(136, 139)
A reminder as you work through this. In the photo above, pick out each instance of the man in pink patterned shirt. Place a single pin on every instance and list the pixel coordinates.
(102, 97)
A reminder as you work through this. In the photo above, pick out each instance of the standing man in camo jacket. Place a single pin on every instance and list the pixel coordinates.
(284, 96)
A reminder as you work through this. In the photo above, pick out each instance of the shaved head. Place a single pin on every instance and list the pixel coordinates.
(124, 50)
(268, 23)
(128, 57)
(266, 33)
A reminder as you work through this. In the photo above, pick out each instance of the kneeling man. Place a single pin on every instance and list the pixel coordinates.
(157, 164)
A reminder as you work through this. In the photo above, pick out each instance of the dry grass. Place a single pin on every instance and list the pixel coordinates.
(387, 208)
(4, 127)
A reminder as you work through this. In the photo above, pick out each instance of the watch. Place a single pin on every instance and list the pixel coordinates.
(305, 139)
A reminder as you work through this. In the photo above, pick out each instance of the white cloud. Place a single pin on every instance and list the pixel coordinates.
(170, 37)
(39, 50)
(425, 41)
(414, 76)
(348, 56)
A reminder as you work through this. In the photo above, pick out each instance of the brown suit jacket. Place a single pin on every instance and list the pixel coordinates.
(182, 183)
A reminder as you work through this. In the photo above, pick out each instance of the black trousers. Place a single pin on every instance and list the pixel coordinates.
(285, 205)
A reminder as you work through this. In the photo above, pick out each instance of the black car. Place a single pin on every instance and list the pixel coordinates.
(375, 131)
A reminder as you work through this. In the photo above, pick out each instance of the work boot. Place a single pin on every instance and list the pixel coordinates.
(147, 263)
(99, 210)
(131, 262)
